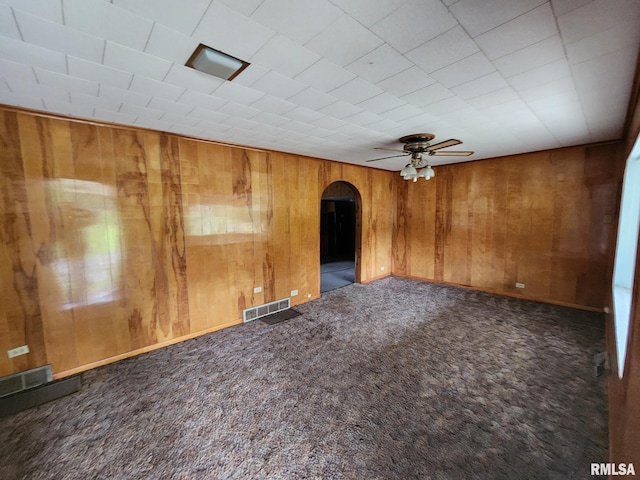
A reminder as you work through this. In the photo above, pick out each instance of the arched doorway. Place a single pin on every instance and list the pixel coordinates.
(340, 208)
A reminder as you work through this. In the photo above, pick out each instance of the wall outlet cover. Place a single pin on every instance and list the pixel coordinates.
(16, 352)
(294, 293)
(519, 285)
(257, 290)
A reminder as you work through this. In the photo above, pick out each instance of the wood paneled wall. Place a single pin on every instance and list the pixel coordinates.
(115, 241)
(542, 219)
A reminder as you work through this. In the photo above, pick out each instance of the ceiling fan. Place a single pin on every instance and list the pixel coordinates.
(415, 145)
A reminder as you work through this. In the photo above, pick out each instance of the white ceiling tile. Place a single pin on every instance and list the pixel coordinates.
(98, 73)
(364, 118)
(540, 75)
(25, 101)
(536, 55)
(423, 121)
(243, 123)
(496, 97)
(285, 56)
(479, 17)
(59, 38)
(66, 108)
(555, 88)
(245, 7)
(312, 98)
(94, 102)
(381, 63)
(521, 32)
(340, 109)
(8, 27)
(251, 75)
(410, 80)
(270, 119)
(445, 49)
(141, 111)
(427, 95)
(273, 104)
(464, 70)
(601, 75)
(169, 106)
(344, 41)
(356, 91)
(30, 54)
(105, 20)
(489, 83)
(209, 102)
(325, 76)
(303, 114)
(238, 110)
(192, 79)
(154, 88)
(386, 126)
(212, 127)
(329, 123)
(135, 61)
(414, 23)
(278, 85)
(231, 32)
(560, 7)
(608, 41)
(174, 118)
(595, 17)
(170, 45)
(208, 115)
(66, 82)
(304, 19)
(381, 103)
(402, 113)
(368, 12)
(37, 90)
(182, 16)
(450, 104)
(237, 93)
(124, 96)
(297, 126)
(42, 8)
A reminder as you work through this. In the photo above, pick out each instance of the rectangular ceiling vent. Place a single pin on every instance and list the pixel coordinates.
(25, 380)
(254, 313)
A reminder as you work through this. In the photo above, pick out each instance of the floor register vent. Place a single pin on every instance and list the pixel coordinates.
(25, 380)
(254, 313)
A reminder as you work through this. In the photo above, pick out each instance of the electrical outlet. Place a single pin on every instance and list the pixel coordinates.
(519, 285)
(16, 352)
(294, 293)
(257, 290)
(308, 295)
(382, 269)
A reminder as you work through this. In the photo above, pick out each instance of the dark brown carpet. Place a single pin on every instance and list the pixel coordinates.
(396, 379)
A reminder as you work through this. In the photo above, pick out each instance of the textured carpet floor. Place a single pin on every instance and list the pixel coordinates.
(396, 379)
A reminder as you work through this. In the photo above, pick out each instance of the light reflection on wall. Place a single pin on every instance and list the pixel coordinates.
(87, 251)
(220, 223)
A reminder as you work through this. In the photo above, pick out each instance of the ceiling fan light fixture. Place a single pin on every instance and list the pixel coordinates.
(408, 171)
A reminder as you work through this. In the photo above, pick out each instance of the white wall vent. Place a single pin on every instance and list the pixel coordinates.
(25, 380)
(254, 313)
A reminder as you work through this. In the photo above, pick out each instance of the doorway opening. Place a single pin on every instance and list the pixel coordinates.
(339, 236)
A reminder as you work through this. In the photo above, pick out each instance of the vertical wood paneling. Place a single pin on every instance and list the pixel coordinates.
(539, 219)
(20, 312)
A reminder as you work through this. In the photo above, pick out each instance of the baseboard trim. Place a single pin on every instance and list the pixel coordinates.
(505, 294)
(140, 351)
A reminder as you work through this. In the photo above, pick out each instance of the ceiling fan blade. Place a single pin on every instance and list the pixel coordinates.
(451, 153)
(392, 156)
(388, 149)
(447, 143)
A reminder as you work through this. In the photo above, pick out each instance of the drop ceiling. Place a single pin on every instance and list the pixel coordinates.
(333, 79)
